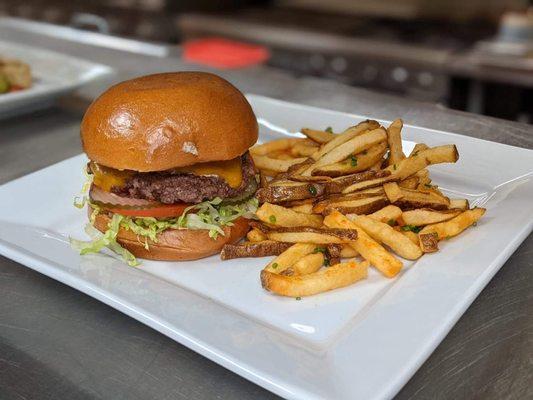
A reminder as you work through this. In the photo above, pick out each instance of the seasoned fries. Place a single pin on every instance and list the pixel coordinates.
(334, 277)
(318, 136)
(384, 233)
(330, 197)
(369, 249)
(453, 227)
(426, 216)
(280, 216)
(394, 138)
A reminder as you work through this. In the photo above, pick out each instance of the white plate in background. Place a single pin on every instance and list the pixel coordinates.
(360, 342)
(54, 74)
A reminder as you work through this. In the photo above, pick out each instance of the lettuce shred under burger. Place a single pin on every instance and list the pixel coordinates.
(210, 215)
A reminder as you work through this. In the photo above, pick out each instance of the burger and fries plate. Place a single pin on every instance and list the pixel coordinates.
(361, 341)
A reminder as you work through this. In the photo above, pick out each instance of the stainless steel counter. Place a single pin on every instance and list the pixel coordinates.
(56, 343)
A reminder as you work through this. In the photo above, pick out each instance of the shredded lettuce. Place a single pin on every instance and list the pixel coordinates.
(108, 239)
(81, 200)
(211, 215)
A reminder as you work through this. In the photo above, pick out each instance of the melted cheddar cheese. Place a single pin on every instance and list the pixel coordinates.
(230, 170)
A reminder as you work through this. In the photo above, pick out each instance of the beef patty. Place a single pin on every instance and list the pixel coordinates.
(170, 188)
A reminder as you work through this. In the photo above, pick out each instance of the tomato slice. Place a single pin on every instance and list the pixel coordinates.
(162, 211)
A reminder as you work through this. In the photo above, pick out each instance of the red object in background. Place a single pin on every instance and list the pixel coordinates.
(224, 53)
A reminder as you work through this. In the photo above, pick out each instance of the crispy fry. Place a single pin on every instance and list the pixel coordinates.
(393, 191)
(384, 233)
(429, 242)
(336, 276)
(360, 162)
(289, 257)
(318, 136)
(369, 184)
(436, 155)
(305, 265)
(394, 138)
(365, 205)
(415, 199)
(386, 214)
(337, 185)
(369, 249)
(418, 148)
(273, 145)
(303, 149)
(253, 249)
(255, 235)
(353, 146)
(303, 208)
(454, 226)
(348, 251)
(348, 134)
(280, 216)
(460, 204)
(425, 216)
(413, 237)
(312, 235)
(283, 191)
(410, 183)
(274, 164)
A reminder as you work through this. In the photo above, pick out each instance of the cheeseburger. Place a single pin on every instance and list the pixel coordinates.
(170, 173)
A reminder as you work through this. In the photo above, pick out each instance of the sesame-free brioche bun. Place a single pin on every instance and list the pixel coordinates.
(176, 244)
(163, 121)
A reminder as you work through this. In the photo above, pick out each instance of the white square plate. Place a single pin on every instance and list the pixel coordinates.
(363, 341)
(54, 74)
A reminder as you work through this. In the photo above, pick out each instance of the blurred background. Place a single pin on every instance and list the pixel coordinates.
(471, 55)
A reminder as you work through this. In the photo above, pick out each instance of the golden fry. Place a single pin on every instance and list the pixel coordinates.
(394, 138)
(280, 216)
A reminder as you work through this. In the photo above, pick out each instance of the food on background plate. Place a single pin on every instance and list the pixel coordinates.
(170, 174)
(14, 75)
(353, 195)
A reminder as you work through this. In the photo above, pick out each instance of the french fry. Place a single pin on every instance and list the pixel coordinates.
(320, 205)
(337, 185)
(377, 166)
(318, 136)
(358, 186)
(255, 235)
(275, 164)
(460, 204)
(360, 162)
(273, 145)
(353, 146)
(424, 216)
(415, 199)
(411, 165)
(454, 226)
(348, 251)
(386, 214)
(410, 183)
(289, 257)
(418, 148)
(283, 191)
(393, 191)
(253, 249)
(312, 235)
(394, 139)
(333, 252)
(303, 208)
(342, 138)
(429, 242)
(336, 276)
(303, 149)
(384, 233)
(367, 247)
(280, 216)
(366, 205)
(305, 265)
(413, 237)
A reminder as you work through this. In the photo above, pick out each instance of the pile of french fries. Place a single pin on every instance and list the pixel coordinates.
(353, 195)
